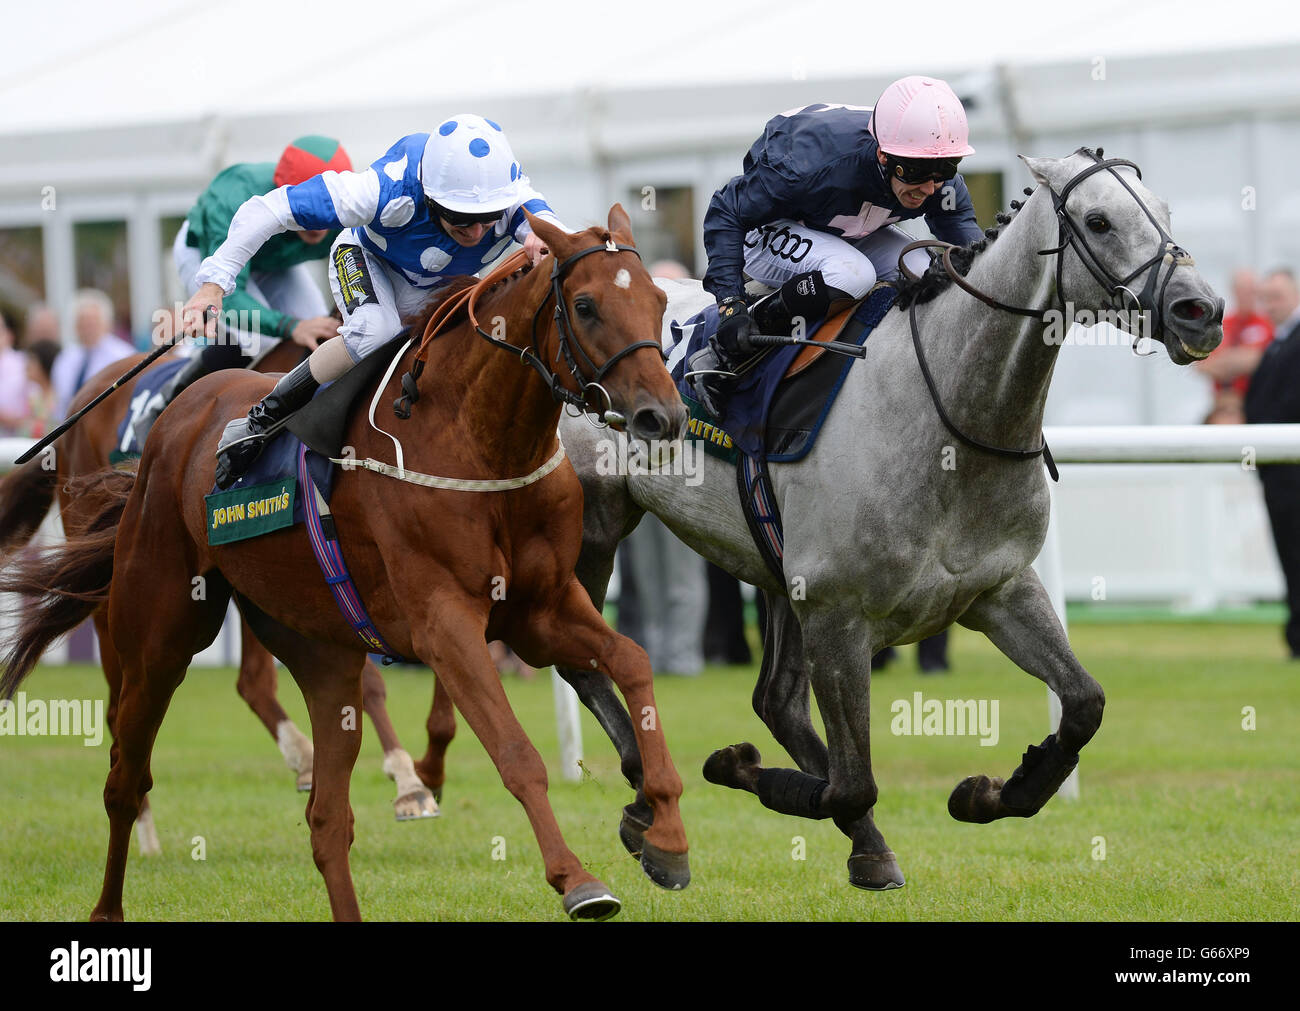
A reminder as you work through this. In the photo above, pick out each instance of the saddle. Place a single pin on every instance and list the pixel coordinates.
(778, 407)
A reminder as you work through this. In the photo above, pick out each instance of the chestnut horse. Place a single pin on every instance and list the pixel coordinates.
(25, 497)
(429, 562)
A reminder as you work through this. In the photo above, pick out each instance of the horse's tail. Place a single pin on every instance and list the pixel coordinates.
(25, 497)
(67, 582)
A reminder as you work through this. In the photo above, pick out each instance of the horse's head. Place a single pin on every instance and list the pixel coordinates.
(613, 314)
(1117, 254)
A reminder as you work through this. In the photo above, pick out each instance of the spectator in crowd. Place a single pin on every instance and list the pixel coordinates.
(1273, 396)
(666, 578)
(931, 655)
(1246, 333)
(40, 324)
(724, 625)
(41, 417)
(13, 382)
(97, 346)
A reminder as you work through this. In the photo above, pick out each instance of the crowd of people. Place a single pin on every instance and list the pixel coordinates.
(39, 375)
(1256, 376)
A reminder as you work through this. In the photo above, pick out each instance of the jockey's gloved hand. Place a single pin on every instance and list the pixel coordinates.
(734, 326)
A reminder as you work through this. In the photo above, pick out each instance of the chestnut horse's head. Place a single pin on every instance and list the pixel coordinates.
(613, 314)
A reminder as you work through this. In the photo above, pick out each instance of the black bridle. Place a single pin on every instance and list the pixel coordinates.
(1069, 236)
(569, 343)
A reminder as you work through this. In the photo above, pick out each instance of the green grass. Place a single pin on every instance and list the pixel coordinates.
(1201, 819)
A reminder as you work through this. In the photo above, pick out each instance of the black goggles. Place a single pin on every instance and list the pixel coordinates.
(914, 171)
(462, 219)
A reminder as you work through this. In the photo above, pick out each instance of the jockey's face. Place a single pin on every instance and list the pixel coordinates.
(314, 237)
(466, 235)
(911, 195)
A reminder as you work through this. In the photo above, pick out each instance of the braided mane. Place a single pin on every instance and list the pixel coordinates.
(935, 280)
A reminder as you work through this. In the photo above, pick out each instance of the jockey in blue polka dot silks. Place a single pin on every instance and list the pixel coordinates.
(813, 213)
(434, 206)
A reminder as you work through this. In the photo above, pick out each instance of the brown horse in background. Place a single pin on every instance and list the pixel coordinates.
(26, 495)
(427, 561)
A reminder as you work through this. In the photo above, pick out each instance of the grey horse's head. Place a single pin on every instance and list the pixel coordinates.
(1121, 256)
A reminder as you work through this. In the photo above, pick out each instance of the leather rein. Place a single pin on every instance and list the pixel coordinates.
(579, 364)
(1069, 236)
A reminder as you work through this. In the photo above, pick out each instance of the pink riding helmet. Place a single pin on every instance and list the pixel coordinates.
(921, 117)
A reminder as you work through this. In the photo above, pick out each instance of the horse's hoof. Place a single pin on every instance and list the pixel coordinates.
(724, 765)
(146, 834)
(977, 799)
(667, 870)
(631, 833)
(437, 795)
(417, 804)
(875, 872)
(591, 901)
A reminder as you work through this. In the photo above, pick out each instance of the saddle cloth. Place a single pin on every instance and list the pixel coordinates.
(147, 387)
(777, 408)
(267, 496)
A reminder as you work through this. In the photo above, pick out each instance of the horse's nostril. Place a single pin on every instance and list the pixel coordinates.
(1193, 310)
(650, 423)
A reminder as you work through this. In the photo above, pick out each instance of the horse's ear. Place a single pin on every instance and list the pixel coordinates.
(620, 225)
(1044, 170)
(557, 240)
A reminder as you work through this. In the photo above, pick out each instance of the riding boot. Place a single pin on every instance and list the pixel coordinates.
(805, 296)
(243, 440)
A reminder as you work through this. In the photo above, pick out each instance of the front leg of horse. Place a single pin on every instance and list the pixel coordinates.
(576, 636)
(453, 644)
(1018, 618)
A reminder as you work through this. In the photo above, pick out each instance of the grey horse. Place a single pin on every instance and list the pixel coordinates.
(897, 525)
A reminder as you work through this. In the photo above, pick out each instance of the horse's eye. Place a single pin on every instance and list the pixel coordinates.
(1098, 224)
(585, 308)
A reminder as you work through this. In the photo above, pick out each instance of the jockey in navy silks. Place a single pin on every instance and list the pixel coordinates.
(812, 213)
(434, 206)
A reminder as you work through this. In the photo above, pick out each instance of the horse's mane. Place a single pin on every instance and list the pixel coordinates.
(935, 280)
(419, 319)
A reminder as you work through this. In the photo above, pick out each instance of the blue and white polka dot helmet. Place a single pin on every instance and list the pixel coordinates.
(468, 166)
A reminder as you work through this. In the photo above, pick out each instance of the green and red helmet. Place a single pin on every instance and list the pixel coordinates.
(309, 156)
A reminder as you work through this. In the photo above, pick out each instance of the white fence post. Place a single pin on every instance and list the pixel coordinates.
(568, 726)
